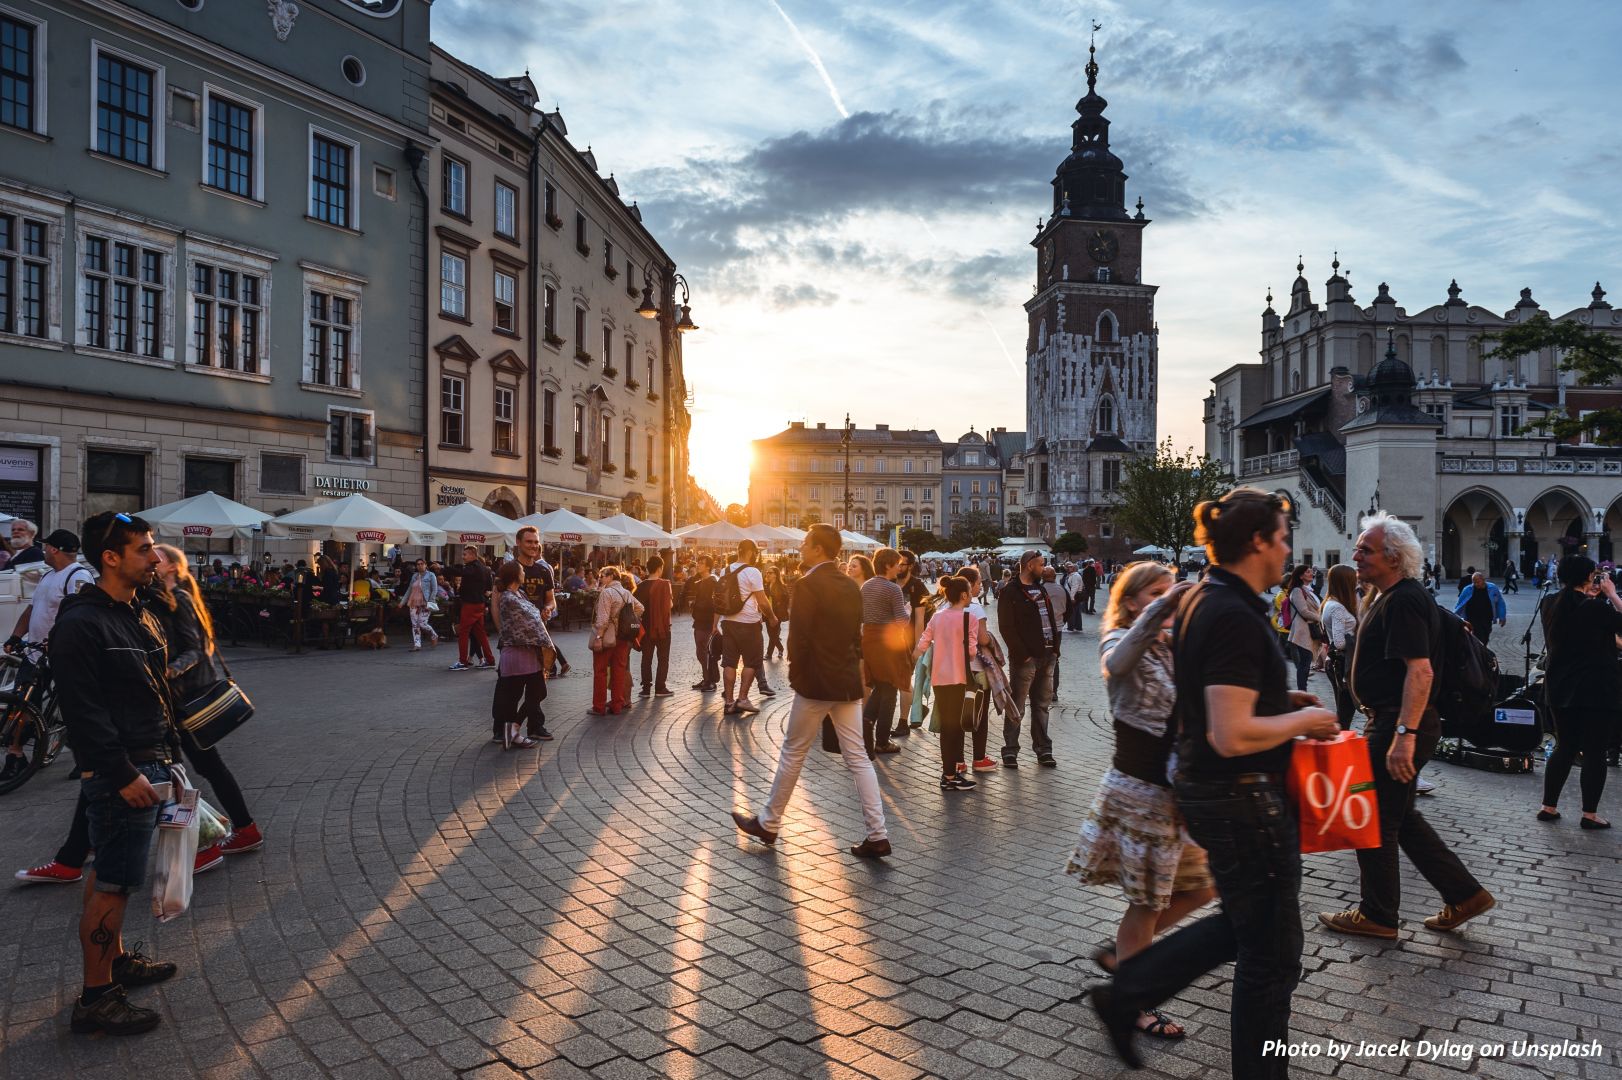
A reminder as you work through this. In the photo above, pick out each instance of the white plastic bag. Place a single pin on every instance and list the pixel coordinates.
(178, 827)
(212, 825)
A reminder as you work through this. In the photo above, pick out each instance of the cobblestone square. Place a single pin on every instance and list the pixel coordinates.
(430, 905)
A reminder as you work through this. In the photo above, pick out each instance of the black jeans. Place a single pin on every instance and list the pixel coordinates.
(877, 715)
(518, 701)
(1303, 664)
(1345, 707)
(650, 646)
(1585, 731)
(949, 717)
(1253, 844)
(774, 638)
(1404, 829)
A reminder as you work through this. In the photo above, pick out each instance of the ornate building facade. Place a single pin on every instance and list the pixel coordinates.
(1355, 407)
(799, 476)
(1091, 357)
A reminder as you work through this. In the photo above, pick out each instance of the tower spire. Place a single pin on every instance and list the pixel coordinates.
(1092, 58)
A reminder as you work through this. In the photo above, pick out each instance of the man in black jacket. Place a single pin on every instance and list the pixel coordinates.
(109, 656)
(702, 593)
(825, 670)
(1030, 628)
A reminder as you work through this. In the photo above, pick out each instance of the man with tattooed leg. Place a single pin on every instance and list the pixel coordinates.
(109, 655)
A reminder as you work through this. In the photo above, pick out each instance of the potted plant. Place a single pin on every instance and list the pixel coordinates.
(554, 221)
(553, 451)
(610, 371)
(609, 467)
(609, 271)
(653, 395)
(582, 459)
(553, 340)
(631, 384)
(583, 356)
(630, 473)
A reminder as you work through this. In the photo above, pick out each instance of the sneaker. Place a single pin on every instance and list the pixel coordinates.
(543, 735)
(112, 1014)
(1451, 917)
(1010, 763)
(52, 873)
(704, 686)
(207, 859)
(963, 782)
(1423, 786)
(666, 692)
(132, 969)
(744, 705)
(459, 666)
(985, 764)
(766, 691)
(646, 692)
(1353, 922)
(14, 765)
(1046, 761)
(246, 838)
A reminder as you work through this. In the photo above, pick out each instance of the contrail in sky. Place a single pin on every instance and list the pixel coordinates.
(816, 61)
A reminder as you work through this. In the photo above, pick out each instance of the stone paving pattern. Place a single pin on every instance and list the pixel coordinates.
(429, 905)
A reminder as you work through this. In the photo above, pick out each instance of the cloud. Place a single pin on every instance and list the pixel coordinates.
(784, 297)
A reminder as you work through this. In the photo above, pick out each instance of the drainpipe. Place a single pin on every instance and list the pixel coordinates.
(415, 157)
(532, 319)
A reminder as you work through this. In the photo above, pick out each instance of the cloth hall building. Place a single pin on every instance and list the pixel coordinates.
(1354, 407)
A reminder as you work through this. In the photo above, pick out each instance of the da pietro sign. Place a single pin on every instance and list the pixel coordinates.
(340, 485)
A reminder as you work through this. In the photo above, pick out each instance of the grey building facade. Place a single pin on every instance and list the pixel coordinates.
(971, 481)
(211, 253)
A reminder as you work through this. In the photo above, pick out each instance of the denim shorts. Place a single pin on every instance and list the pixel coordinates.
(121, 834)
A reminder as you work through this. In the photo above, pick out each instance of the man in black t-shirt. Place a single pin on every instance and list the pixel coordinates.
(1236, 717)
(1399, 640)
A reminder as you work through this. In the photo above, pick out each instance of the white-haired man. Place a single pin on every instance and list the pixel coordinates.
(25, 547)
(1393, 681)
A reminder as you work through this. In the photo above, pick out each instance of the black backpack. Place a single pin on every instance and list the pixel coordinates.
(1468, 679)
(629, 625)
(729, 597)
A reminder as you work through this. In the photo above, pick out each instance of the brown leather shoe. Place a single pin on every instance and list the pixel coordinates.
(887, 748)
(871, 849)
(1353, 922)
(1451, 917)
(751, 825)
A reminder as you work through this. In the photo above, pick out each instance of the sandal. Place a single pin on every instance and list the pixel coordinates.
(521, 742)
(1104, 959)
(1160, 1027)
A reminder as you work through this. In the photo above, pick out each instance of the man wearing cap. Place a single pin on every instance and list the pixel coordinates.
(66, 577)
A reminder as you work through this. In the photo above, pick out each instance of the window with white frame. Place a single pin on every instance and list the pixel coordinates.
(125, 286)
(929, 521)
(504, 435)
(332, 324)
(506, 292)
(974, 505)
(630, 436)
(349, 435)
(127, 124)
(233, 147)
(1509, 421)
(332, 180)
(929, 494)
(549, 314)
(453, 284)
(22, 73)
(228, 315)
(1110, 478)
(906, 494)
(974, 487)
(1106, 531)
(878, 519)
(453, 186)
(579, 432)
(29, 246)
(605, 439)
(549, 419)
(506, 210)
(651, 463)
(907, 465)
(452, 410)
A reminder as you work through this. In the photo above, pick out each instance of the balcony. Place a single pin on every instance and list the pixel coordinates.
(1268, 464)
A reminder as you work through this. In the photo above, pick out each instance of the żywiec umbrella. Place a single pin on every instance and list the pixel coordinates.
(641, 533)
(354, 519)
(206, 516)
(466, 523)
(562, 526)
(715, 534)
(858, 542)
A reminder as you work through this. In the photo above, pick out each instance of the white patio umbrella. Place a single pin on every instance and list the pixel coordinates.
(857, 542)
(642, 534)
(562, 526)
(770, 538)
(1152, 549)
(204, 516)
(468, 523)
(715, 534)
(355, 519)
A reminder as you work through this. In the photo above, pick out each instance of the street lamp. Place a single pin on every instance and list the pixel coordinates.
(671, 326)
(844, 439)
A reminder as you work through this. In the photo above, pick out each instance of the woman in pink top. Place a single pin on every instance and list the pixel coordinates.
(956, 635)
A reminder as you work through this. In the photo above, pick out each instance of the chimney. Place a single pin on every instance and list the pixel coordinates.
(822, 427)
(796, 425)
(881, 427)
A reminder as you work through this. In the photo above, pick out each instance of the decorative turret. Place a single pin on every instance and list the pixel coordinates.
(1091, 182)
(1453, 292)
(1598, 303)
(1337, 290)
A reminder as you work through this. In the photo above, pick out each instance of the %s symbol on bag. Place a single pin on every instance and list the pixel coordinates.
(1332, 784)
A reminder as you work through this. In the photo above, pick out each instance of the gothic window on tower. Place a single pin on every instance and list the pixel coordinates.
(1106, 416)
(1103, 273)
(1106, 327)
(1111, 477)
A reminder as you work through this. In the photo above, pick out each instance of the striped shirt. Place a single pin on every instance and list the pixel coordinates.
(883, 602)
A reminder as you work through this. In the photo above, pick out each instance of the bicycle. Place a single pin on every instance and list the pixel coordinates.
(29, 717)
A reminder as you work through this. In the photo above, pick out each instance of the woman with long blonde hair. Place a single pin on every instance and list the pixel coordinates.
(1340, 628)
(194, 668)
(1133, 835)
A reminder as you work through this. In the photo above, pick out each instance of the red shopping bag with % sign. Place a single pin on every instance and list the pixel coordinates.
(1332, 784)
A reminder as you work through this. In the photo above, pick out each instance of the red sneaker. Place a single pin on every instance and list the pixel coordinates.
(985, 764)
(246, 838)
(207, 859)
(52, 873)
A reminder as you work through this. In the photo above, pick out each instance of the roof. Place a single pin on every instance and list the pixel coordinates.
(1283, 410)
(824, 435)
(1330, 451)
(1008, 443)
(1109, 444)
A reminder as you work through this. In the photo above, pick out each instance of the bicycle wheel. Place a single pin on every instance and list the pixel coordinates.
(19, 722)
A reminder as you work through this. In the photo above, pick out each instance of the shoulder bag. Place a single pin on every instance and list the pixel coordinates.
(1315, 627)
(216, 712)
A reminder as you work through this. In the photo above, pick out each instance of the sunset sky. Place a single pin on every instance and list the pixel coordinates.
(851, 188)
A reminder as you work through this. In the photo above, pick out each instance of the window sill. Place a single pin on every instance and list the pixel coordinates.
(329, 225)
(246, 200)
(457, 214)
(228, 373)
(338, 459)
(584, 249)
(27, 133)
(504, 238)
(451, 317)
(506, 454)
(36, 342)
(514, 334)
(323, 388)
(128, 358)
(137, 166)
(457, 447)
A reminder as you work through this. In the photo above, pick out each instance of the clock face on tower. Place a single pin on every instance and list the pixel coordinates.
(1103, 246)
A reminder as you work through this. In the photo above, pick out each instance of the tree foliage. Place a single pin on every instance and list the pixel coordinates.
(975, 529)
(921, 540)
(1017, 523)
(1070, 543)
(738, 514)
(1594, 355)
(1156, 499)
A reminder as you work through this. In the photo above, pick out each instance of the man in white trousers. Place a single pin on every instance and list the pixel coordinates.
(824, 664)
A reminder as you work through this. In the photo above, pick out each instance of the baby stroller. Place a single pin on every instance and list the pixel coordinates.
(1515, 732)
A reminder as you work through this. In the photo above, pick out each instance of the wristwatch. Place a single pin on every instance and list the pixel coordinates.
(1404, 729)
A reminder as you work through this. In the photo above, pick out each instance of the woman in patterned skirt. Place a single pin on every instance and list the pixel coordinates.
(1133, 835)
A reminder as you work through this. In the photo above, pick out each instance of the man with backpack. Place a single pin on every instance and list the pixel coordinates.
(1399, 648)
(742, 604)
